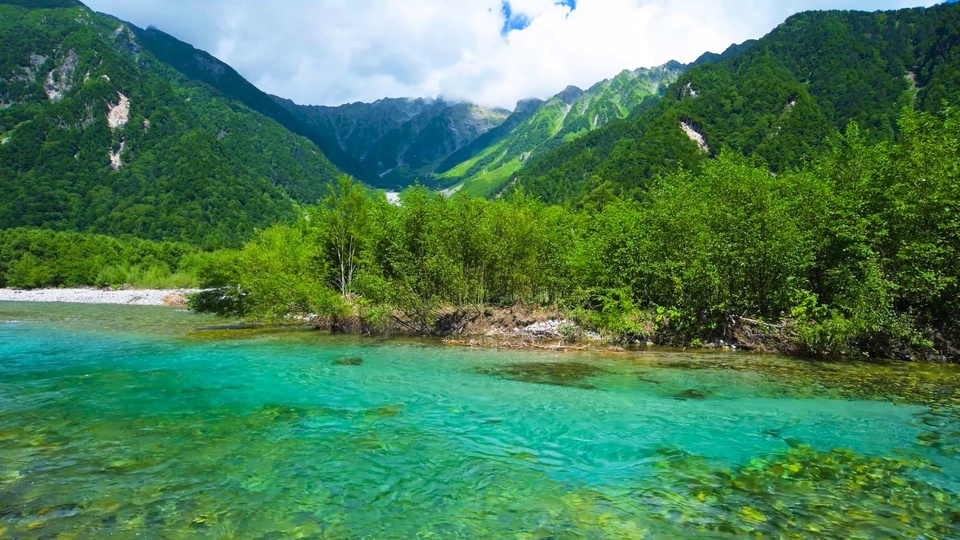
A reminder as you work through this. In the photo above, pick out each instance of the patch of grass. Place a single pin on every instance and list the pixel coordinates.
(463, 168)
(484, 185)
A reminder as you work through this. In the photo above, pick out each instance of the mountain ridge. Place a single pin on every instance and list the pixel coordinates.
(200, 65)
(777, 99)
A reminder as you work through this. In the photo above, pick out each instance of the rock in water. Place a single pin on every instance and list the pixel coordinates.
(692, 393)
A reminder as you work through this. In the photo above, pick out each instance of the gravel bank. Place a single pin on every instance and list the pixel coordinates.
(146, 297)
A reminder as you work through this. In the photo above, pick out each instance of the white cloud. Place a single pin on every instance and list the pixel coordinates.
(339, 51)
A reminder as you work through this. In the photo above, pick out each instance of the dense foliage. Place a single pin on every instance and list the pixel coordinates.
(776, 101)
(183, 163)
(31, 258)
(353, 255)
(857, 252)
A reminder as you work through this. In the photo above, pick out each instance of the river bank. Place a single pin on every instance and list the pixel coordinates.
(516, 327)
(134, 297)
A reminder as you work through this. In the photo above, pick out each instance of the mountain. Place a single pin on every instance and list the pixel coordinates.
(99, 134)
(398, 140)
(536, 127)
(201, 66)
(777, 101)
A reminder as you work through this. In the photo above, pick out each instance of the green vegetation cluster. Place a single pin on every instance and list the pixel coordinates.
(34, 258)
(185, 163)
(856, 253)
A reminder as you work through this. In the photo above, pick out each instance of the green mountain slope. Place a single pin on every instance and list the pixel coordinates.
(99, 135)
(203, 67)
(398, 140)
(777, 101)
(485, 166)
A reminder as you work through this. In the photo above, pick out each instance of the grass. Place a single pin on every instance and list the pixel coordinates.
(463, 168)
(484, 185)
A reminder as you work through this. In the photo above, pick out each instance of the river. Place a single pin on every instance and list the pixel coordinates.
(156, 422)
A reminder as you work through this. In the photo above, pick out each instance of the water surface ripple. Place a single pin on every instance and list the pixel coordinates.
(128, 421)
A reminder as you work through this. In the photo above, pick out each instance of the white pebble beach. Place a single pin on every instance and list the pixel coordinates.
(134, 297)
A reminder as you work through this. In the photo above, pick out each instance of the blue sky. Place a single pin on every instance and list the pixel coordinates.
(512, 21)
(492, 52)
(519, 20)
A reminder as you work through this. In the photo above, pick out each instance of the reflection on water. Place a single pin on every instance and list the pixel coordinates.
(126, 421)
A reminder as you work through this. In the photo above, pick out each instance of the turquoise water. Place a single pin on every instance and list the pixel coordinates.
(146, 422)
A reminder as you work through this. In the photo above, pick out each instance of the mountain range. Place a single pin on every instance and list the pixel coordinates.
(454, 145)
(111, 128)
(396, 140)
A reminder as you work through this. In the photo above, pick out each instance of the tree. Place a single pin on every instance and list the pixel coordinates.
(343, 218)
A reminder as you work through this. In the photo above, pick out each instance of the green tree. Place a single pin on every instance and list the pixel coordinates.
(343, 220)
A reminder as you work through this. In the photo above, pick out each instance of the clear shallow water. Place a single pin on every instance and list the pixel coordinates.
(127, 421)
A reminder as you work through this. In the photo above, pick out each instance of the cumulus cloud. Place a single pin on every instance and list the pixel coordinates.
(491, 52)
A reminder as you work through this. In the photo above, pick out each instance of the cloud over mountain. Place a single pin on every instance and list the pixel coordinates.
(493, 52)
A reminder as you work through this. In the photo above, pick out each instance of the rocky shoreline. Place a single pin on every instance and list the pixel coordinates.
(133, 297)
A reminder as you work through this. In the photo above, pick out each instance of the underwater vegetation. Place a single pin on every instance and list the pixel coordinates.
(803, 492)
(572, 374)
(352, 361)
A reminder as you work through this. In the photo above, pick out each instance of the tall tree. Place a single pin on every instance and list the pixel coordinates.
(344, 216)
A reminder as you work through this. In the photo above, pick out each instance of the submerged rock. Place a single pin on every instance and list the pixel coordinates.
(282, 412)
(386, 411)
(355, 361)
(692, 393)
(572, 374)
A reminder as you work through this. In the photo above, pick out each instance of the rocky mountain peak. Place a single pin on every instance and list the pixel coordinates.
(527, 104)
(673, 65)
(569, 95)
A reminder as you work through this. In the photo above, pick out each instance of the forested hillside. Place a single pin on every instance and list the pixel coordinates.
(485, 165)
(203, 67)
(776, 102)
(799, 193)
(99, 135)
